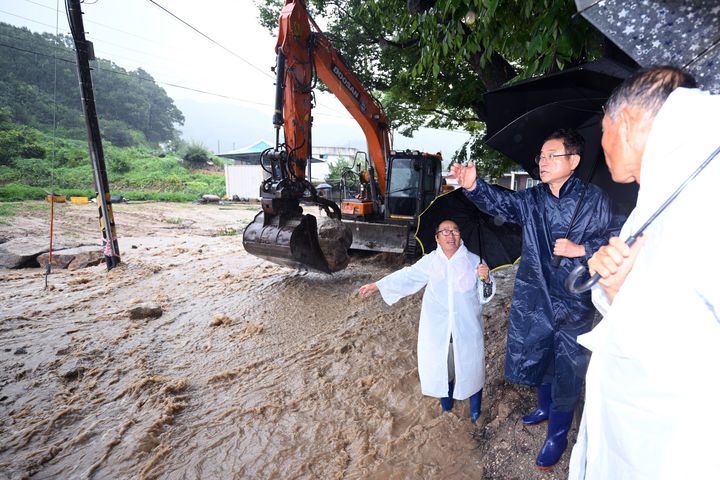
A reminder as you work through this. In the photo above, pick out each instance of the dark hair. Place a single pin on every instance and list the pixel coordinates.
(437, 225)
(572, 140)
(648, 88)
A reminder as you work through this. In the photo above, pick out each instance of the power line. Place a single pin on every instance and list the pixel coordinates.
(31, 20)
(207, 37)
(90, 22)
(169, 84)
(126, 74)
(100, 41)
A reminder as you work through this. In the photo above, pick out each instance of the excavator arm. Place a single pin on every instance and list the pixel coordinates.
(363, 107)
(281, 232)
(304, 54)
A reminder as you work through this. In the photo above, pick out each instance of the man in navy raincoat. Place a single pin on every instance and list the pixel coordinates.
(545, 320)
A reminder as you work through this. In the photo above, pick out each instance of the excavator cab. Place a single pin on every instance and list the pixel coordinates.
(387, 224)
(414, 180)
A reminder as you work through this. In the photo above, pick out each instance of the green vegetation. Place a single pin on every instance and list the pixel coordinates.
(197, 154)
(174, 220)
(137, 173)
(342, 170)
(7, 211)
(228, 232)
(144, 158)
(132, 109)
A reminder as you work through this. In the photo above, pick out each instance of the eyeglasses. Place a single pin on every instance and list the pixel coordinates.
(552, 156)
(447, 231)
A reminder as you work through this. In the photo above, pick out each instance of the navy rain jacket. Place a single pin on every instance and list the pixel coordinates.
(545, 319)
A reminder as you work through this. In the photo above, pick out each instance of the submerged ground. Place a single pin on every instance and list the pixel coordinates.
(252, 371)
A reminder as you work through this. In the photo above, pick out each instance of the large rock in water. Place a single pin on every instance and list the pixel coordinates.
(335, 239)
(74, 258)
(23, 252)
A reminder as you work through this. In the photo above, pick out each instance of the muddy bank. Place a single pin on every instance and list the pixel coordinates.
(252, 370)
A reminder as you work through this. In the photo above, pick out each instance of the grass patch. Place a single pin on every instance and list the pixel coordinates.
(8, 211)
(137, 173)
(174, 221)
(228, 232)
(45, 207)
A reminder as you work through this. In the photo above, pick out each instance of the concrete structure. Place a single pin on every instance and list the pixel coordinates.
(244, 178)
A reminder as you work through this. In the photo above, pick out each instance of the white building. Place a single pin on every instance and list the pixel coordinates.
(244, 178)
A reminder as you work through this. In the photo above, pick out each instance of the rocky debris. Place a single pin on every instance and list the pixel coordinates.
(71, 370)
(219, 319)
(335, 239)
(145, 310)
(211, 198)
(73, 258)
(253, 328)
(20, 351)
(23, 252)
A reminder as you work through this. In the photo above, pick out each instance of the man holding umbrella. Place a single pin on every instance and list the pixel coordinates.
(652, 392)
(561, 217)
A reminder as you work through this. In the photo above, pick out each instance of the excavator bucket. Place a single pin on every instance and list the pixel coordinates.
(293, 241)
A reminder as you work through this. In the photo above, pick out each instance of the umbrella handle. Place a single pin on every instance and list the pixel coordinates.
(571, 280)
(556, 261)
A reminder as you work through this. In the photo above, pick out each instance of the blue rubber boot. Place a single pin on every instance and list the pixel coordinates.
(543, 410)
(475, 403)
(556, 440)
(447, 402)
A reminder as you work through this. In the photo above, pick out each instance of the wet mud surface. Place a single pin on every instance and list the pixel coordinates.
(252, 370)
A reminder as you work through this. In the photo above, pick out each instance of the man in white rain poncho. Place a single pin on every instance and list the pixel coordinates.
(450, 335)
(653, 384)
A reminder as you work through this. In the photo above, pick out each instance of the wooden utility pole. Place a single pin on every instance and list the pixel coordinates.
(84, 53)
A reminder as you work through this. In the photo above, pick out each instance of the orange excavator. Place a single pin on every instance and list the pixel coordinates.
(395, 187)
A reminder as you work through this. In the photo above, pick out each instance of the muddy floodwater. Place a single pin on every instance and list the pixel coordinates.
(252, 370)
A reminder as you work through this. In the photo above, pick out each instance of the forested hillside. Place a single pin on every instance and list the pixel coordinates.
(132, 108)
(38, 79)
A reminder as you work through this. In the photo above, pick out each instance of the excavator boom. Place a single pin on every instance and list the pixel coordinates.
(281, 233)
(379, 220)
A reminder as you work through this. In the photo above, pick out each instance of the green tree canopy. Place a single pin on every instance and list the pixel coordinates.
(431, 61)
(341, 172)
(131, 107)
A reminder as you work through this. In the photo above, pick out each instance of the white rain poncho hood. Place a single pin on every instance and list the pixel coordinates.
(452, 305)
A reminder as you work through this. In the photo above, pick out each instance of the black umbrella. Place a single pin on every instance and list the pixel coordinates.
(523, 138)
(593, 80)
(571, 98)
(660, 32)
(494, 240)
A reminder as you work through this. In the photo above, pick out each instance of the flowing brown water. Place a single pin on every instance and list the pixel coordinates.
(252, 371)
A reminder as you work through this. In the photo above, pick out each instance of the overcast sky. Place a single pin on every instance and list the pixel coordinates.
(138, 33)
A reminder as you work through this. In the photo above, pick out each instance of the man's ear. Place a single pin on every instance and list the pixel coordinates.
(574, 161)
(634, 129)
(625, 123)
